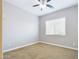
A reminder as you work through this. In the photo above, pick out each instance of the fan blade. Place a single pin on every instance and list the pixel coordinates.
(50, 6)
(48, 0)
(39, 0)
(35, 5)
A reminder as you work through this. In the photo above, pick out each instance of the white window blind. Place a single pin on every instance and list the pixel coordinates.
(56, 27)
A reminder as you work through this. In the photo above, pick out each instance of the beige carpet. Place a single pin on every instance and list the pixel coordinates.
(41, 51)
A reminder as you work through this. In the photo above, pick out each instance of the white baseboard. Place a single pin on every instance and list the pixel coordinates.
(59, 45)
(19, 47)
(38, 42)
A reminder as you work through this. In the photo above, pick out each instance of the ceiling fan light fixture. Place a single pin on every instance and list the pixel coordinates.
(43, 4)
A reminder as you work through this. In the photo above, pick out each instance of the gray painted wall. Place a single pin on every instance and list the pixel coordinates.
(19, 27)
(70, 40)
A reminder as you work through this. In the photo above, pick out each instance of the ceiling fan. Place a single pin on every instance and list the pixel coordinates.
(43, 4)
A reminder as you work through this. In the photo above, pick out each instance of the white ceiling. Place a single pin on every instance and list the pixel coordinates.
(27, 5)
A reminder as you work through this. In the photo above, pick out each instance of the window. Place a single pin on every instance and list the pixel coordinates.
(56, 27)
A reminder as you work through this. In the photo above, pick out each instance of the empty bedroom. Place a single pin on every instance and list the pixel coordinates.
(40, 29)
